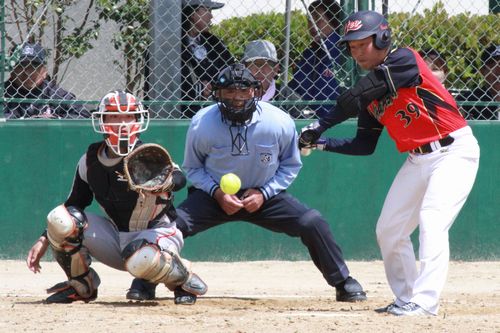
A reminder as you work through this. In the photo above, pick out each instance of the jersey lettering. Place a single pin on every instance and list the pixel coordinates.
(378, 109)
(412, 111)
(403, 116)
(421, 110)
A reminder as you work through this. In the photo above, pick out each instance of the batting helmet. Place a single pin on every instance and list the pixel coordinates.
(236, 76)
(366, 23)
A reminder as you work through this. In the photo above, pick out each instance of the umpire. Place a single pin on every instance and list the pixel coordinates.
(258, 142)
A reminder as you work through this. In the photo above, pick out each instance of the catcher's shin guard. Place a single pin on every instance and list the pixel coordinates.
(65, 233)
(82, 288)
(147, 261)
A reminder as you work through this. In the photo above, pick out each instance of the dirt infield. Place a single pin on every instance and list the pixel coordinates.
(265, 296)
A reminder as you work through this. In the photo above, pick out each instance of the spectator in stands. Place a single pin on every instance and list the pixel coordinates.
(314, 77)
(203, 54)
(489, 91)
(29, 79)
(261, 59)
(436, 63)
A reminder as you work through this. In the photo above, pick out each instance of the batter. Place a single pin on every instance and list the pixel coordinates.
(401, 94)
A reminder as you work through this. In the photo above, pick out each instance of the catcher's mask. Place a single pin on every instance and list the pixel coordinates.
(236, 92)
(366, 23)
(120, 117)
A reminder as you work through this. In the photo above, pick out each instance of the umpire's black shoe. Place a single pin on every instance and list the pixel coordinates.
(141, 290)
(350, 291)
(183, 297)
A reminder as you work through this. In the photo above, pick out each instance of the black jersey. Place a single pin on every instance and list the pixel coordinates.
(102, 178)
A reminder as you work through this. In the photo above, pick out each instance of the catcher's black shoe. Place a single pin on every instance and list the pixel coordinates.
(350, 291)
(183, 297)
(67, 294)
(141, 290)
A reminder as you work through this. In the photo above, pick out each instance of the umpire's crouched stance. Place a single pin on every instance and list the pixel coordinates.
(138, 234)
(258, 142)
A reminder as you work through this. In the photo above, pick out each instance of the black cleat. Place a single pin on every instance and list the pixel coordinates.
(183, 297)
(66, 294)
(350, 291)
(141, 290)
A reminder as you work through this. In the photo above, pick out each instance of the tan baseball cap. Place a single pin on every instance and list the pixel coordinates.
(205, 3)
(260, 49)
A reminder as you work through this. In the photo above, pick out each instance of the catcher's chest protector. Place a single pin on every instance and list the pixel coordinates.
(110, 189)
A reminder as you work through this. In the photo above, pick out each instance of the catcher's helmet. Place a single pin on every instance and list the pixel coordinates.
(366, 23)
(238, 77)
(121, 135)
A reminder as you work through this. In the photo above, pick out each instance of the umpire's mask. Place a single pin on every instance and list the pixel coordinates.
(236, 91)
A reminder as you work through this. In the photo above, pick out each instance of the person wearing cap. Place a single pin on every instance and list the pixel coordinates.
(489, 91)
(436, 62)
(29, 79)
(203, 54)
(400, 93)
(314, 76)
(258, 143)
(261, 59)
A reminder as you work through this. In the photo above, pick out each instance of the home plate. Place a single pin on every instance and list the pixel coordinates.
(319, 314)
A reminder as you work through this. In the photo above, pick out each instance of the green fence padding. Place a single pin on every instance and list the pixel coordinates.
(38, 160)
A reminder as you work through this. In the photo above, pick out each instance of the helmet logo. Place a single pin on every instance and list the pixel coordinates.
(353, 26)
(384, 27)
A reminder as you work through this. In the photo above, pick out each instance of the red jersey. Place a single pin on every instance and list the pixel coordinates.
(421, 110)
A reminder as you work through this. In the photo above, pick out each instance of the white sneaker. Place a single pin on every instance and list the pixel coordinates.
(387, 308)
(409, 309)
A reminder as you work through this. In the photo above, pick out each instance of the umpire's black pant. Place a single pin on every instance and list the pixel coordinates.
(282, 213)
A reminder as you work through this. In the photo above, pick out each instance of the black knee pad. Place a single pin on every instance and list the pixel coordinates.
(133, 246)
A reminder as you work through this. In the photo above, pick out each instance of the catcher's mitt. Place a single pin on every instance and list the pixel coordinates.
(149, 168)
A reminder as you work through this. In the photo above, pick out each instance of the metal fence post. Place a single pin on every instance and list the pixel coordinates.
(165, 60)
(3, 54)
(363, 5)
(286, 61)
(494, 6)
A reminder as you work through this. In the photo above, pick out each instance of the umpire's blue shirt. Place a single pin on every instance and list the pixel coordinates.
(272, 161)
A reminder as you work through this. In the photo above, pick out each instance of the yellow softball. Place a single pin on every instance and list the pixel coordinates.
(230, 183)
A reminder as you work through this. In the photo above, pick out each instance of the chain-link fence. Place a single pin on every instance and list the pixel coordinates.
(61, 56)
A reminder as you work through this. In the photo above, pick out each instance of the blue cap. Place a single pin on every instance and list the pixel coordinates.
(33, 53)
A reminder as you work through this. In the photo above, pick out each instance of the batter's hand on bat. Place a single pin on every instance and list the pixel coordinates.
(229, 203)
(319, 144)
(252, 200)
(36, 253)
(310, 134)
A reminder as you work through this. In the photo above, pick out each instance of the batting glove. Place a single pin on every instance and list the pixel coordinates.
(310, 134)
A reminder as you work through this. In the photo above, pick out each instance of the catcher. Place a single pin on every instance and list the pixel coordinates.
(133, 183)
